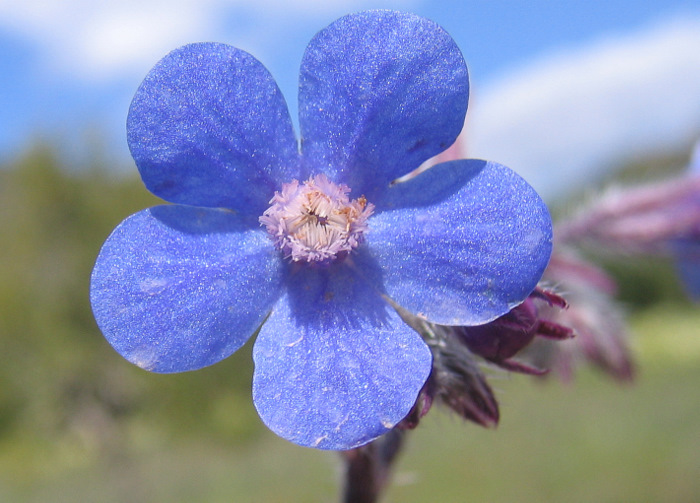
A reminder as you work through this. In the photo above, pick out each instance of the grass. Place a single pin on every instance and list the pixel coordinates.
(592, 440)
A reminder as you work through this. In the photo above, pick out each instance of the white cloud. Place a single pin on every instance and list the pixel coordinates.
(116, 38)
(567, 117)
(102, 39)
(98, 39)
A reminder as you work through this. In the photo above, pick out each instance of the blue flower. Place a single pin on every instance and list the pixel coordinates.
(687, 249)
(306, 242)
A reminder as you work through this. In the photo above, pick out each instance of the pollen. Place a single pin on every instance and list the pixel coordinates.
(316, 221)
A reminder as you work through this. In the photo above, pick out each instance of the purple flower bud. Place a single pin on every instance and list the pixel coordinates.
(500, 340)
(455, 380)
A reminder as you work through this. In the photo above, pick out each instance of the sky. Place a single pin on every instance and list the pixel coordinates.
(560, 90)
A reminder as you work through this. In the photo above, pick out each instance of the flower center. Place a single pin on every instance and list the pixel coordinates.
(316, 221)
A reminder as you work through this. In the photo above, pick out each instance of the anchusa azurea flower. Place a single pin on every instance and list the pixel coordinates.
(311, 242)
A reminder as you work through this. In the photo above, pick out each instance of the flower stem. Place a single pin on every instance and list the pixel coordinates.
(367, 468)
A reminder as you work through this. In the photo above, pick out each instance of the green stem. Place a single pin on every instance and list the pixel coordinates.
(368, 468)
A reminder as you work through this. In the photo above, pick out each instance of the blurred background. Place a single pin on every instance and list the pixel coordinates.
(572, 95)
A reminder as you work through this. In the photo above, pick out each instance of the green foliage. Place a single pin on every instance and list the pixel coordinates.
(588, 441)
(61, 382)
(77, 422)
(645, 282)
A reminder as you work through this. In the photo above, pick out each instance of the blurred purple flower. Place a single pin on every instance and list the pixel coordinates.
(648, 219)
(660, 218)
(182, 286)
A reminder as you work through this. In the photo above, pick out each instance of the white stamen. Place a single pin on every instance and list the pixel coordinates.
(316, 221)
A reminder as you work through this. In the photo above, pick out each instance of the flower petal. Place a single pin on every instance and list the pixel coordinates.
(178, 288)
(694, 165)
(687, 254)
(380, 92)
(468, 258)
(436, 184)
(335, 366)
(209, 127)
